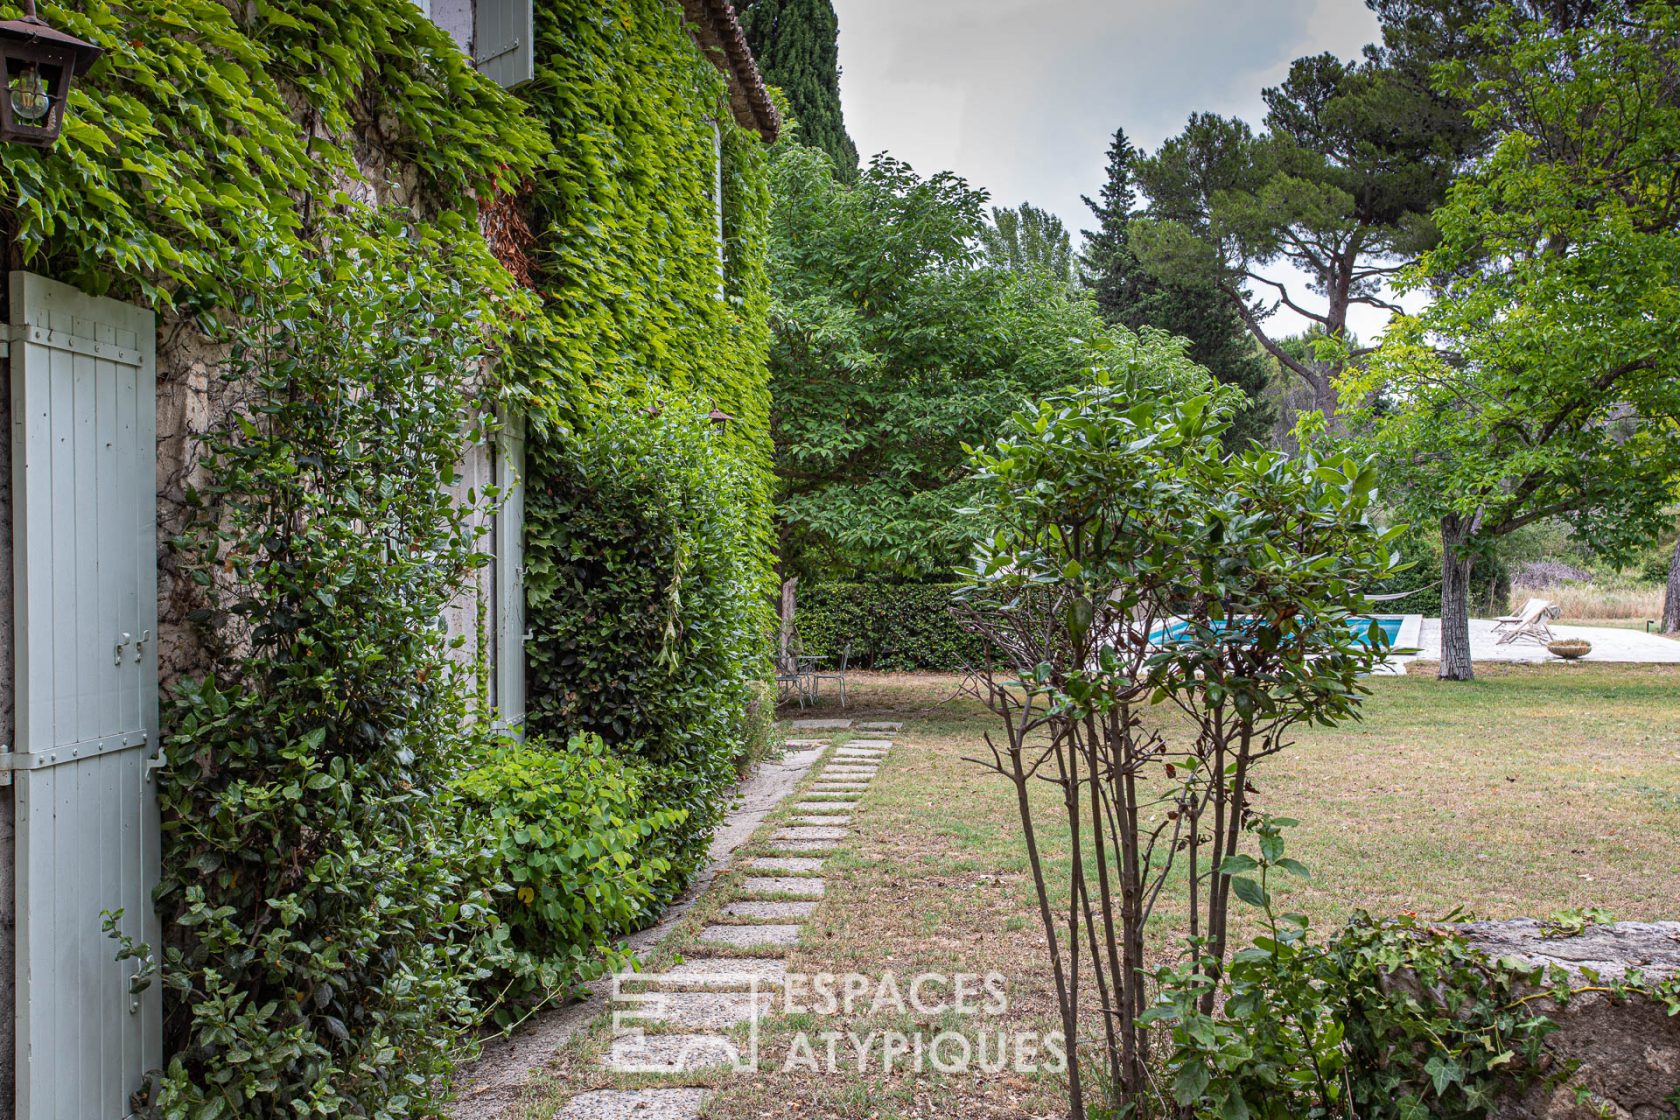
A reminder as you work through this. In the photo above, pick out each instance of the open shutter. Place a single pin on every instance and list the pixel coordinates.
(510, 572)
(502, 41)
(84, 539)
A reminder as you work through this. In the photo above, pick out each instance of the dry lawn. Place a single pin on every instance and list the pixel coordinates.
(1532, 789)
(1593, 604)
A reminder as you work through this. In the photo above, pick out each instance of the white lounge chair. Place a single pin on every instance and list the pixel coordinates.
(1528, 624)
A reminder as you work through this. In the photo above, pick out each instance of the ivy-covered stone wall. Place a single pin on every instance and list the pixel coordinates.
(649, 550)
(202, 160)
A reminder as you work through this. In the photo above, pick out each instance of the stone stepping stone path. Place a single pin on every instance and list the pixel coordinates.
(697, 1010)
(719, 972)
(803, 832)
(746, 937)
(804, 886)
(806, 846)
(670, 1053)
(784, 863)
(768, 911)
(685, 1019)
(635, 1104)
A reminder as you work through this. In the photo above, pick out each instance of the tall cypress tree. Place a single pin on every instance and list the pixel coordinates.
(797, 44)
(1127, 294)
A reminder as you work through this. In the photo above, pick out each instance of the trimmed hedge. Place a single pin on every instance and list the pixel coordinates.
(651, 621)
(903, 626)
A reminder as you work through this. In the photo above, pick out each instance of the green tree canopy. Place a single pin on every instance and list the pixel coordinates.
(1027, 239)
(894, 344)
(797, 44)
(1544, 379)
(1340, 186)
(1130, 295)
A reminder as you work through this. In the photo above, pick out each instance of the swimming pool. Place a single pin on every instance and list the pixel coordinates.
(1389, 624)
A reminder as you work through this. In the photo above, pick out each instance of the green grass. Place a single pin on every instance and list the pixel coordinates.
(1527, 791)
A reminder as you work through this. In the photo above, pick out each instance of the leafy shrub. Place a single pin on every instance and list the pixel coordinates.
(650, 610)
(892, 626)
(1389, 1020)
(1654, 565)
(316, 914)
(764, 736)
(1135, 567)
(568, 859)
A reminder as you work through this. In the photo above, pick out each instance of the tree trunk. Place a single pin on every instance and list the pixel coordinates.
(1326, 400)
(1671, 601)
(785, 654)
(1455, 600)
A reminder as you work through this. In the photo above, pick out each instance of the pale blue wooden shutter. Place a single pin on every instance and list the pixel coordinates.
(502, 41)
(84, 539)
(509, 647)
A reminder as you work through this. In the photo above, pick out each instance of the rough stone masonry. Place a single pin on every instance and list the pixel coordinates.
(1625, 1056)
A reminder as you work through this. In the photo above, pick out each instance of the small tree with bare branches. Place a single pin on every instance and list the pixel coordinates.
(1156, 619)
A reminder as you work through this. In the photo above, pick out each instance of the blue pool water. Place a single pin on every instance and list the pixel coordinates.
(1361, 627)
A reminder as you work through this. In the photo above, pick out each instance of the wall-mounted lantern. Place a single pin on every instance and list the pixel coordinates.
(718, 417)
(38, 65)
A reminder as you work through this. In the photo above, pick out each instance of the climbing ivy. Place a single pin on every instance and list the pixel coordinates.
(366, 225)
(317, 892)
(624, 222)
(207, 134)
(649, 547)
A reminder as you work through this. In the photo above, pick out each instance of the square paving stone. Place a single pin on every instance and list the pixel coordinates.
(806, 833)
(769, 911)
(707, 1011)
(880, 725)
(824, 820)
(716, 972)
(839, 787)
(782, 884)
(670, 1053)
(748, 936)
(636, 1104)
(842, 772)
(804, 846)
(823, 806)
(844, 753)
(867, 744)
(785, 863)
(820, 724)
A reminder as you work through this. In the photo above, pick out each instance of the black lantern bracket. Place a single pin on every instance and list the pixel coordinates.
(38, 65)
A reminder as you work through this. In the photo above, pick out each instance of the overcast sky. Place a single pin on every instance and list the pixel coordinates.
(1021, 96)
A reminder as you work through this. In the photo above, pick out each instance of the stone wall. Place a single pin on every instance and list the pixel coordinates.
(191, 400)
(1617, 1060)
